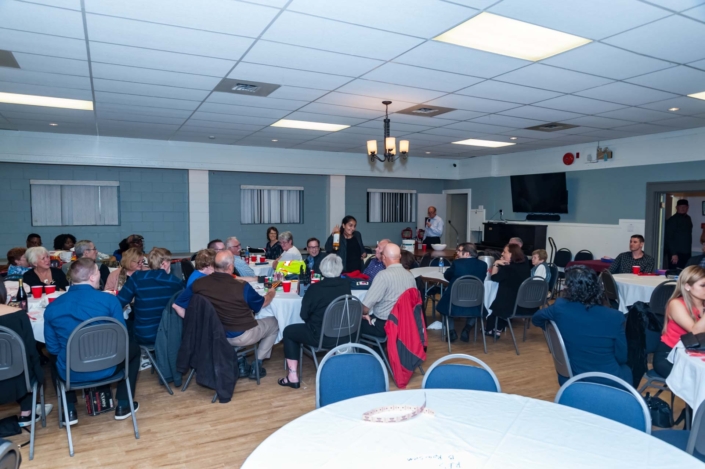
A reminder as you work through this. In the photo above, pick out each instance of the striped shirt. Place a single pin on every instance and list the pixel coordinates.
(388, 286)
(151, 290)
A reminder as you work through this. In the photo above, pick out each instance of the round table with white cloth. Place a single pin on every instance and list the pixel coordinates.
(263, 270)
(633, 288)
(286, 307)
(687, 379)
(435, 274)
(470, 429)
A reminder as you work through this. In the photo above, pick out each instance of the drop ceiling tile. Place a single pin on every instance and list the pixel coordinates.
(254, 101)
(607, 61)
(397, 127)
(354, 100)
(678, 5)
(35, 18)
(70, 4)
(541, 114)
(508, 121)
(390, 92)
(39, 63)
(644, 129)
(533, 134)
(579, 104)
(165, 38)
(687, 122)
(599, 122)
(231, 118)
(301, 58)
(131, 117)
(416, 120)
(149, 90)
(244, 110)
(449, 134)
(608, 134)
(150, 111)
(684, 43)
(552, 78)
(309, 117)
(138, 128)
(134, 100)
(685, 105)
(30, 113)
(221, 16)
(135, 132)
(40, 111)
(625, 93)
(491, 89)
(194, 125)
(297, 93)
(158, 60)
(53, 91)
(475, 127)
(696, 13)
(290, 134)
(154, 77)
(585, 19)
(478, 4)
(463, 60)
(45, 79)
(425, 138)
(470, 103)
(681, 80)
(286, 76)
(271, 3)
(203, 138)
(31, 43)
(320, 33)
(421, 77)
(699, 64)
(217, 133)
(320, 108)
(637, 114)
(459, 115)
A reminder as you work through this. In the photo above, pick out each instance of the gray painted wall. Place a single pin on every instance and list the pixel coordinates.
(153, 203)
(224, 201)
(597, 196)
(356, 204)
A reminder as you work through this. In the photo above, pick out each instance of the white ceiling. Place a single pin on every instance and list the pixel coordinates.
(151, 66)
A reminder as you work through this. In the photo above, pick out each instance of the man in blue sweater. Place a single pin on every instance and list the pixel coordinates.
(82, 302)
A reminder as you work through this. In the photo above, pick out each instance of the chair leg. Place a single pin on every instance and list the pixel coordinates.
(484, 338)
(301, 363)
(41, 400)
(511, 331)
(188, 380)
(496, 324)
(58, 398)
(315, 359)
(448, 331)
(256, 365)
(215, 398)
(421, 370)
(526, 327)
(384, 356)
(132, 407)
(66, 418)
(33, 424)
(153, 361)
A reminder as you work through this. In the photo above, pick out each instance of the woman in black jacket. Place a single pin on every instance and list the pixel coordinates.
(350, 249)
(316, 300)
(272, 250)
(509, 271)
(41, 272)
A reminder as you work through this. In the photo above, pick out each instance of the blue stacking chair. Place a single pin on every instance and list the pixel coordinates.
(690, 441)
(457, 376)
(349, 375)
(622, 404)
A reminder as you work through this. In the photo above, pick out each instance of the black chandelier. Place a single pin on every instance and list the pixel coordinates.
(390, 143)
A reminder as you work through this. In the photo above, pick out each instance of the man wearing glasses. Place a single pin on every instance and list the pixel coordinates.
(86, 249)
(313, 261)
(244, 271)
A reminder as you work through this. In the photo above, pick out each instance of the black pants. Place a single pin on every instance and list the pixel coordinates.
(469, 322)
(377, 330)
(26, 402)
(682, 260)
(296, 335)
(661, 364)
(429, 240)
(121, 394)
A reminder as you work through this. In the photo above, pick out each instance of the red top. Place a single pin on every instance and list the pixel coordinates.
(674, 331)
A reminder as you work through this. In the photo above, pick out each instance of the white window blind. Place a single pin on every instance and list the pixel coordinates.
(391, 206)
(74, 203)
(271, 204)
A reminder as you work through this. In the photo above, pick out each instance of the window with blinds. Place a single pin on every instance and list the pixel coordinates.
(391, 206)
(74, 203)
(271, 204)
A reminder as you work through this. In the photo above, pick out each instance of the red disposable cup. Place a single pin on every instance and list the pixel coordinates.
(253, 258)
(286, 285)
(315, 280)
(636, 269)
(423, 246)
(49, 289)
(37, 291)
(51, 299)
(261, 258)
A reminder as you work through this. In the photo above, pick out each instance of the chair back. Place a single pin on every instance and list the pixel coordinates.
(407, 233)
(659, 298)
(563, 256)
(3, 292)
(9, 455)
(611, 290)
(558, 351)
(96, 344)
(532, 294)
(584, 255)
(347, 375)
(13, 357)
(342, 318)
(622, 404)
(696, 441)
(187, 268)
(552, 244)
(553, 269)
(467, 291)
(457, 376)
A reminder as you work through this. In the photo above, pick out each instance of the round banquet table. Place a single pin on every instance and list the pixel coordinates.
(434, 274)
(687, 379)
(470, 429)
(35, 307)
(264, 270)
(633, 288)
(596, 265)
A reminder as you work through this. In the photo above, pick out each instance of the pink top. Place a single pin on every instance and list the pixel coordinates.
(674, 331)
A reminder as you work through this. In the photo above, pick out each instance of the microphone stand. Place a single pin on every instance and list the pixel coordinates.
(456, 233)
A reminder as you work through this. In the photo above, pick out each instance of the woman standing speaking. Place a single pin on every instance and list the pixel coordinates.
(349, 246)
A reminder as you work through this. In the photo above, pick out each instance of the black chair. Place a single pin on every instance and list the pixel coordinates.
(558, 351)
(13, 362)
(563, 256)
(467, 291)
(256, 250)
(532, 294)
(611, 289)
(659, 298)
(430, 292)
(186, 269)
(96, 344)
(10, 456)
(553, 280)
(584, 255)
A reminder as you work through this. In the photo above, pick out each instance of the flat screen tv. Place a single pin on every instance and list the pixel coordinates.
(539, 193)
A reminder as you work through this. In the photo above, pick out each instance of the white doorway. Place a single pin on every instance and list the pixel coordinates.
(458, 208)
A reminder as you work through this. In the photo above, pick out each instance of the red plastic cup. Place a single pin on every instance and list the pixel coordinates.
(636, 270)
(253, 258)
(49, 289)
(423, 246)
(315, 280)
(37, 291)
(286, 285)
(51, 299)
(261, 258)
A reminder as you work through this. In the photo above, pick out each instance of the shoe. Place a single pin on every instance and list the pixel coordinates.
(243, 367)
(493, 333)
(465, 335)
(26, 421)
(121, 413)
(286, 383)
(253, 370)
(73, 418)
(453, 336)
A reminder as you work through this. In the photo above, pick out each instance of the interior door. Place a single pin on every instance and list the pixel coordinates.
(458, 219)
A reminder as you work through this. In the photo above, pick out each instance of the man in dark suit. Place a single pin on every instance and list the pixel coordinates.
(315, 256)
(465, 263)
(679, 236)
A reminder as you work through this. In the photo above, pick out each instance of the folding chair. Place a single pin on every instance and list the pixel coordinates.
(558, 351)
(532, 294)
(584, 255)
(467, 291)
(611, 289)
(457, 376)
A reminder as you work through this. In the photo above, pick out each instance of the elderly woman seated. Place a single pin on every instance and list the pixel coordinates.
(316, 300)
(42, 273)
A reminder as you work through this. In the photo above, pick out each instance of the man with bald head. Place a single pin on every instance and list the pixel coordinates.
(236, 303)
(388, 286)
(376, 265)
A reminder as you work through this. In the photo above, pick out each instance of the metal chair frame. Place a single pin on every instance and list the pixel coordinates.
(10, 456)
(587, 255)
(556, 346)
(462, 356)
(610, 286)
(455, 300)
(538, 302)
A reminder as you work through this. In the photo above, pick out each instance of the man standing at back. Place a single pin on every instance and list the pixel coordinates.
(679, 236)
(434, 228)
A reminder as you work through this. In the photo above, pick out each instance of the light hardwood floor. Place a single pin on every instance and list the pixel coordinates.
(187, 431)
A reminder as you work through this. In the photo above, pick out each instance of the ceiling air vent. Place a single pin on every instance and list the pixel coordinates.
(551, 127)
(246, 87)
(424, 110)
(7, 59)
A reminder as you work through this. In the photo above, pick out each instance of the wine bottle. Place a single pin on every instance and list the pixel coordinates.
(22, 296)
(336, 241)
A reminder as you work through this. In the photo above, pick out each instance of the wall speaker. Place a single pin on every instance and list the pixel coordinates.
(542, 217)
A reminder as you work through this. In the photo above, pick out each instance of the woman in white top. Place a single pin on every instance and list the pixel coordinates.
(538, 260)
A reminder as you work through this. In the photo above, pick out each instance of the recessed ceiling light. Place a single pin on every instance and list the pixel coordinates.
(53, 124)
(483, 143)
(700, 95)
(275, 140)
(513, 38)
(32, 100)
(306, 125)
(428, 152)
(512, 138)
(212, 137)
(674, 109)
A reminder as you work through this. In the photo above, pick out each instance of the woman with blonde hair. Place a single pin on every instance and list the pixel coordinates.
(130, 263)
(684, 313)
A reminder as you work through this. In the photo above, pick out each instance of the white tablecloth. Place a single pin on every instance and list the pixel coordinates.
(633, 288)
(687, 379)
(264, 270)
(470, 429)
(36, 309)
(435, 273)
(286, 308)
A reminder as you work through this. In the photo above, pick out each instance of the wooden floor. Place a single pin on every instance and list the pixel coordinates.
(186, 430)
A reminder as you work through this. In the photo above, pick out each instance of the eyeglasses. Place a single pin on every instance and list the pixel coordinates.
(314, 247)
(235, 246)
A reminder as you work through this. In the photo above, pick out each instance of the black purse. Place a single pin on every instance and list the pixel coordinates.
(9, 426)
(660, 411)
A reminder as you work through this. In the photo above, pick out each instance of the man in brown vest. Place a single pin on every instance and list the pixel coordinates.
(236, 303)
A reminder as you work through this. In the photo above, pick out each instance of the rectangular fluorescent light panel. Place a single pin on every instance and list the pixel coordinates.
(31, 100)
(700, 95)
(513, 38)
(483, 143)
(305, 125)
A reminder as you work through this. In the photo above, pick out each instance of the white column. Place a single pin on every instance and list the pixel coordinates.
(336, 200)
(198, 209)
